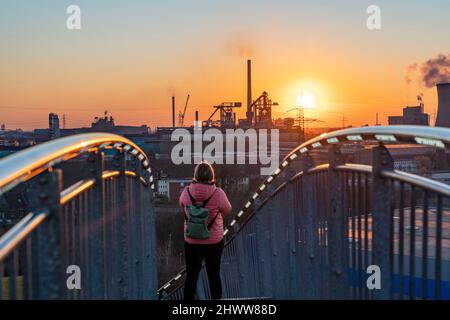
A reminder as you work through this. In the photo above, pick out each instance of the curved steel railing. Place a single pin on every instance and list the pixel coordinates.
(25, 164)
(90, 213)
(420, 135)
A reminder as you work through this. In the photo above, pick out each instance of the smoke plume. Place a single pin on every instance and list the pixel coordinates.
(431, 72)
(241, 47)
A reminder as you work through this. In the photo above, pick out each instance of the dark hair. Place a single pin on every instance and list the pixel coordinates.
(204, 173)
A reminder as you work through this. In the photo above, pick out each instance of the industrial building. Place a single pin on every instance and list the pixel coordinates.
(411, 116)
(100, 124)
(416, 116)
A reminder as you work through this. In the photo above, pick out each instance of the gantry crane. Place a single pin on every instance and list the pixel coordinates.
(227, 115)
(181, 115)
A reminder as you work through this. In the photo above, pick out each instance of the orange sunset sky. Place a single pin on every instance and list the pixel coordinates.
(131, 56)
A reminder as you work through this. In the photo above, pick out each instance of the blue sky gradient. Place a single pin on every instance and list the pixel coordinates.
(132, 55)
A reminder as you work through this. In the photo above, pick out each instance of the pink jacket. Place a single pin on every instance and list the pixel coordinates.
(218, 203)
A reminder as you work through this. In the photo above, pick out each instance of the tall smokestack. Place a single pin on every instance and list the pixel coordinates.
(443, 115)
(173, 111)
(249, 91)
(196, 118)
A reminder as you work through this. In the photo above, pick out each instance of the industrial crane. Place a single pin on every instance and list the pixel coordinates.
(182, 115)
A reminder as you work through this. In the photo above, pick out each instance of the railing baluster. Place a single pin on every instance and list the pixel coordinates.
(438, 254)
(122, 225)
(23, 269)
(12, 275)
(149, 239)
(292, 225)
(338, 243)
(412, 245)
(65, 242)
(96, 234)
(425, 246)
(76, 238)
(138, 235)
(366, 229)
(360, 241)
(381, 219)
(274, 277)
(86, 248)
(34, 256)
(2, 275)
(44, 196)
(353, 227)
(311, 264)
(401, 245)
(392, 204)
(114, 278)
(78, 207)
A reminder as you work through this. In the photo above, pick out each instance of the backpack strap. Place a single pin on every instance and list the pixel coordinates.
(215, 217)
(192, 201)
(205, 202)
(212, 221)
(191, 197)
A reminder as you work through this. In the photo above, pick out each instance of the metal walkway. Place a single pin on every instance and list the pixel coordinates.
(308, 232)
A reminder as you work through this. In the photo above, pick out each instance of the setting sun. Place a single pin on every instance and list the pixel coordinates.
(306, 100)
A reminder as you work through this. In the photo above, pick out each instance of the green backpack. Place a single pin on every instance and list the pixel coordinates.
(197, 218)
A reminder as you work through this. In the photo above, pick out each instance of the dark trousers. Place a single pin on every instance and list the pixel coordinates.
(195, 254)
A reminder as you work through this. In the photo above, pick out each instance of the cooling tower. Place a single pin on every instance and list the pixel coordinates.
(443, 116)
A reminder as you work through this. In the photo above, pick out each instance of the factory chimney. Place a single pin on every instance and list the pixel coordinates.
(196, 119)
(249, 92)
(443, 115)
(173, 111)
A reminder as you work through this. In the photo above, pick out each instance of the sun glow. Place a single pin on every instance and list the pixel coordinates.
(306, 100)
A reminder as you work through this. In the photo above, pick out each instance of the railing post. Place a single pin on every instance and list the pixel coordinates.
(263, 248)
(275, 216)
(135, 234)
(96, 236)
(242, 262)
(292, 232)
(311, 260)
(382, 219)
(121, 225)
(150, 279)
(44, 196)
(338, 243)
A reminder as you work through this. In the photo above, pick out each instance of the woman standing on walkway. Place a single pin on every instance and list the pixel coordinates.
(203, 204)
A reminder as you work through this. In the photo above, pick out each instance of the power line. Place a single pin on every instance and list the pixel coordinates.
(343, 119)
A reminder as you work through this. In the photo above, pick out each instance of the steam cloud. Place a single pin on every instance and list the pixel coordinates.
(171, 90)
(430, 72)
(241, 47)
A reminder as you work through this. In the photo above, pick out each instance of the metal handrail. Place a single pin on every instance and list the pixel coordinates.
(110, 174)
(10, 240)
(13, 237)
(418, 181)
(429, 136)
(362, 168)
(27, 163)
(75, 189)
(319, 168)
